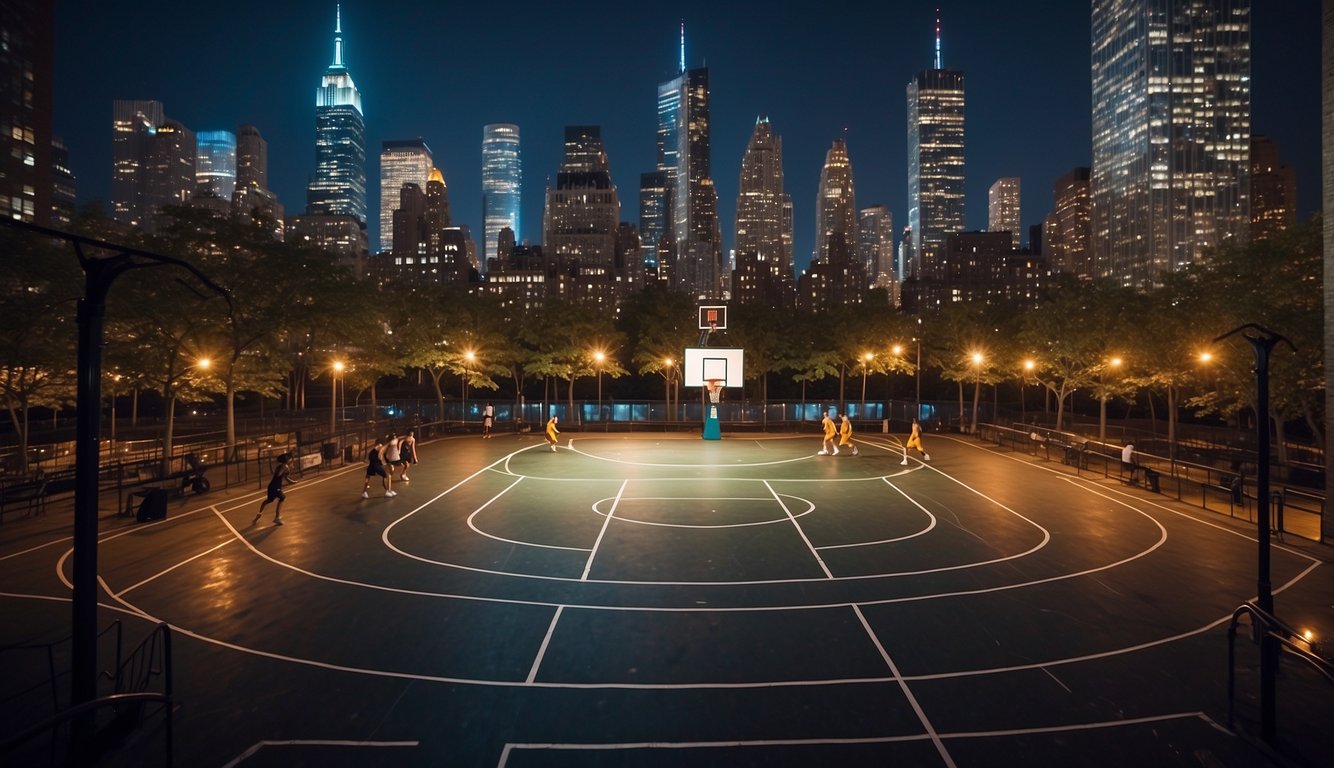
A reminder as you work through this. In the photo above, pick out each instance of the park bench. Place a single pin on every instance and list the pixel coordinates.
(30, 493)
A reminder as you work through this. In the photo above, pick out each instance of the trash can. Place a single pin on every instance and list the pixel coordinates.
(347, 454)
(154, 505)
(329, 451)
(1151, 480)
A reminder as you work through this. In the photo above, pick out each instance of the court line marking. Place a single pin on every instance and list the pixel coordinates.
(165, 571)
(515, 542)
(800, 532)
(542, 649)
(606, 521)
(922, 532)
(810, 507)
(907, 692)
(1098, 725)
(128, 608)
(1089, 483)
(257, 746)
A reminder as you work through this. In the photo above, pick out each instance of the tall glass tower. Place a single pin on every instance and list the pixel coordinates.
(339, 185)
(1003, 207)
(836, 202)
(401, 162)
(763, 209)
(935, 164)
(215, 163)
(502, 183)
(1171, 133)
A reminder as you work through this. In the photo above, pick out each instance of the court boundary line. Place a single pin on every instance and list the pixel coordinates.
(854, 741)
(800, 532)
(606, 522)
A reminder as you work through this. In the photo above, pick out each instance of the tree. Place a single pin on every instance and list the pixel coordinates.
(37, 328)
(660, 324)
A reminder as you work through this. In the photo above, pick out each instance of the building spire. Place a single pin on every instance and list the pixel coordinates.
(938, 63)
(683, 47)
(338, 35)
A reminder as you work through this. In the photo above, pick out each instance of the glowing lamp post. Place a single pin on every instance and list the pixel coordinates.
(866, 361)
(1029, 365)
(469, 356)
(1115, 362)
(337, 370)
(977, 386)
(598, 357)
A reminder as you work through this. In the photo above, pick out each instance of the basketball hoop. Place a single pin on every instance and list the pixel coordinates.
(715, 387)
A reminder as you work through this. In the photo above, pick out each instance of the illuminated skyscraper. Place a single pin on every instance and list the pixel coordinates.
(684, 155)
(1065, 236)
(935, 164)
(252, 158)
(215, 163)
(1003, 207)
(502, 183)
(582, 210)
(654, 218)
(763, 223)
(875, 246)
(27, 102)
(1273, 190)
(1171, 133)
(401, 162)
(339, 185)
(153, 162)
(836, 202)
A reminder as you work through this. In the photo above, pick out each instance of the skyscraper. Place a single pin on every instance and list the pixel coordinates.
(835, 203)
(684, 155)
(215, 164)
(402, 162)
(502, 183)
(1067, 230)
(935, 164)
(1003, 208)
(763, 223)
(1171, 133)
(581, 220)
(27, 105)
(1273, 190)
(153, 162)
(339, 185)
(875, 246)
(654, 217)
(252, 198)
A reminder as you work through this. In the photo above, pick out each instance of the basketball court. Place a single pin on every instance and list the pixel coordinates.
(665, 600)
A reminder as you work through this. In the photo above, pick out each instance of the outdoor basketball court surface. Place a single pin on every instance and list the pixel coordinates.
(649, 599)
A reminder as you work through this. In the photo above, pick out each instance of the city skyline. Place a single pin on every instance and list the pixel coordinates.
(1035, 127)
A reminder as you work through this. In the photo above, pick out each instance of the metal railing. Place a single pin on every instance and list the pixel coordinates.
(1264, 624)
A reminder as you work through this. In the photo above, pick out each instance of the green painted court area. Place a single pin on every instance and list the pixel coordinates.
(657, 599)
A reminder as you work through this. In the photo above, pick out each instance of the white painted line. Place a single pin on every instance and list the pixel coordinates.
(174, 567)
(605, 746)
(472, 524)
(800, 532)
(903, 686)
(922, 532)
(249, 753)
(606, 521)
(546, 640)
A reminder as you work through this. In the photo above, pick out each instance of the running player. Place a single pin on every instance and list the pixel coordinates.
(552, 433)
(375, 466)
(276, 483)
(845, 436)
(827, 446)
(914, 441)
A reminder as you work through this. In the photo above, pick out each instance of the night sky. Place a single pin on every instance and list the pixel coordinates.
(443, 70)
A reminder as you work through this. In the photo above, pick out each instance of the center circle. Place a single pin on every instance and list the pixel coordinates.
(677, 512)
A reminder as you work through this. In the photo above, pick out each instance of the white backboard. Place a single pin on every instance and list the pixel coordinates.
(726, 363)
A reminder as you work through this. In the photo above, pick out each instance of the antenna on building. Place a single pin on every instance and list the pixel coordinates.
(683, 47)
(938, 64)
(338, 35)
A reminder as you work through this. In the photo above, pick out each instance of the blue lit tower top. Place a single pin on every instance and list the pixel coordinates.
(339, 184)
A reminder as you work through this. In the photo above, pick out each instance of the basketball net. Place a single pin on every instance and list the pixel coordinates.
(715, 387)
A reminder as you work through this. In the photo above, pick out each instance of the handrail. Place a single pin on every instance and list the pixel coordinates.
(78, 710)
(1279, 631)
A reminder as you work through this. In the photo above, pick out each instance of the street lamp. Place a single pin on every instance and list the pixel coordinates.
(469, 356)
(977, 386)
(598, 357)
(667, 387)
(337, 368)
(866, 360)
(1029, 365)
(1115, 362)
